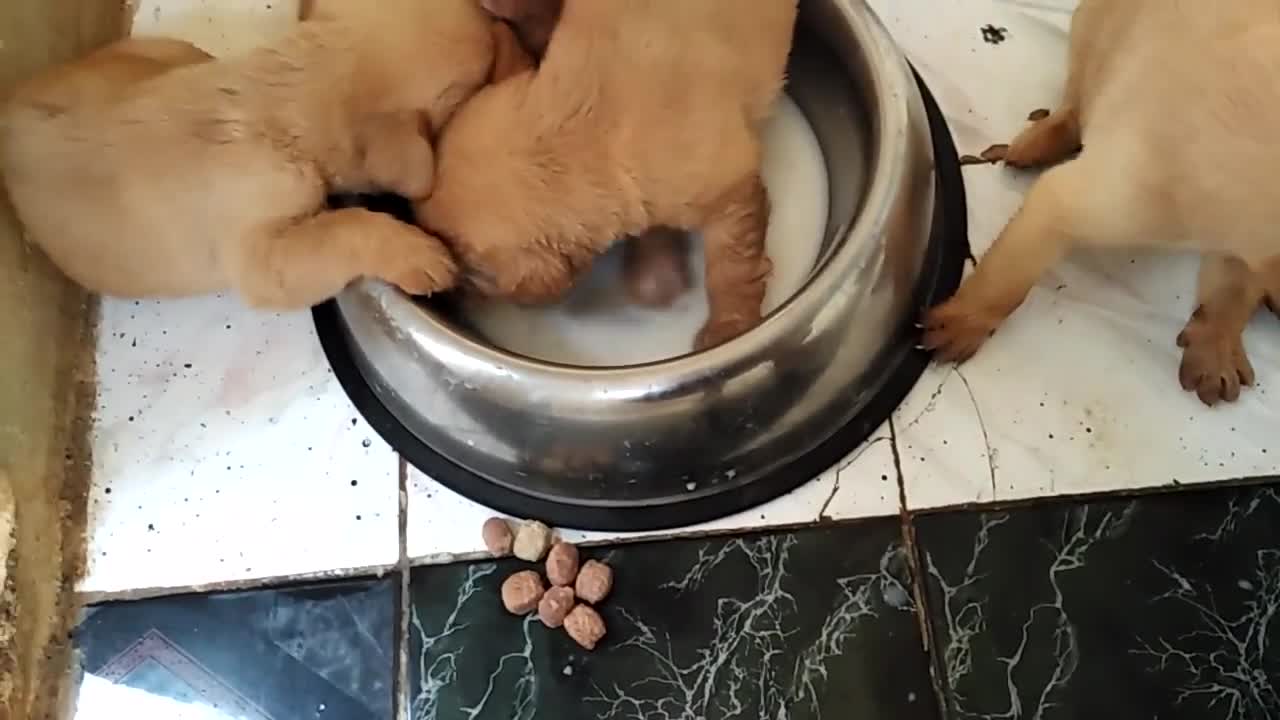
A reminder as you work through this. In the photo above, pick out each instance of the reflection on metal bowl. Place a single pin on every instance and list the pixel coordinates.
(691, 438)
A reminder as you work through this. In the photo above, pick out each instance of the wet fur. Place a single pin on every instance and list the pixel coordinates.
(642, 113)
(150, 169)
(1179, 151)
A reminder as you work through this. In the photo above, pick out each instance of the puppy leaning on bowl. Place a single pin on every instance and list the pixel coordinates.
(641, 114)
(150, 169)
(1179, 149)
(655, 264)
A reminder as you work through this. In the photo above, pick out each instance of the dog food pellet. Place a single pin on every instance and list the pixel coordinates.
(562, 564)
(1038, 115)
(585, 626)
(532, 540)
(522, 592)
(594, 582)
(555, 606)
(498, 538)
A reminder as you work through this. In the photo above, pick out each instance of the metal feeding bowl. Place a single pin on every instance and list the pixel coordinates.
(699, 436)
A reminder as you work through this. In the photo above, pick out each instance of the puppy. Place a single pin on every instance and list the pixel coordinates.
(1179, 150)
(150, 169)
(655, 267)
(641, 114)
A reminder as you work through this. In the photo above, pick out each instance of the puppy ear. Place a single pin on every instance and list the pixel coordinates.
(509, 56)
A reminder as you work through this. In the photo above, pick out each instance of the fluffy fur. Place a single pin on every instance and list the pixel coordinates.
(642, 113)
(150, 169)
(1175, 106)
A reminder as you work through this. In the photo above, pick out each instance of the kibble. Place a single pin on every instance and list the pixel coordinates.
(498, 538)
(594, 582)
(522, 592)
(562, 564)
(533, 539)
(585, 626)
(555, 606)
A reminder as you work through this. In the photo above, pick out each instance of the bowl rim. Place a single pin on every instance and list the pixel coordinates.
(891, 82)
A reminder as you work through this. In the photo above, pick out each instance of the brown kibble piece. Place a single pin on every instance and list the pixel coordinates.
(995, 153)
(585, 626)
(562, 564)
(498, 537)
(555, 606)
(522, 592)
(1038, 115)
(594, 582)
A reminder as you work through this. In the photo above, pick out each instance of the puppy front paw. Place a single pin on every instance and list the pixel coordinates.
(1214, 363)
(955, 330)
(421, 266)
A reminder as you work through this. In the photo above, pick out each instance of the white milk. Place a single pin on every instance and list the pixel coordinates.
(596, 326)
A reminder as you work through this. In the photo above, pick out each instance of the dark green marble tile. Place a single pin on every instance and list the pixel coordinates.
(279, 654)
(1161, 607)
(813, 624)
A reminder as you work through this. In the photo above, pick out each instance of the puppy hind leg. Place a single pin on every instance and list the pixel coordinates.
(1214, 363)
(312, 260)
(1064, 207)
(738, 268)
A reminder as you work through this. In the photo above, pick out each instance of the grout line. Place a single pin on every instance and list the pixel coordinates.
(919, 589)
(270, 582)
(400, 681)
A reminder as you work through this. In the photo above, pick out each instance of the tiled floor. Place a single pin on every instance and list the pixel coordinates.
(226, 453)
(1164, 606)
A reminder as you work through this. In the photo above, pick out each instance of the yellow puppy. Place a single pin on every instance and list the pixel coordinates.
(642, 113)
(150, 169)
(1176, 107)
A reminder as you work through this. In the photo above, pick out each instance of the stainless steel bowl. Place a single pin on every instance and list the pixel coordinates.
(683, 440)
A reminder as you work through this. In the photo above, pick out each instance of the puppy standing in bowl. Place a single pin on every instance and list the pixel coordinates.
(1179, 149)
(655, 265)
(641, 114)
(150, 169)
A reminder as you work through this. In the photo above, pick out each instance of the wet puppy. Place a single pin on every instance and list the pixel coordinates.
(655, 265)
(1179, 150)
(641, 114)
(150, 169)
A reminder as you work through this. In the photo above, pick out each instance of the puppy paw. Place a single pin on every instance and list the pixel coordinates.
(420, 266)
(719, 332)
(1214, 363)
(1050, 139)
(955, 330)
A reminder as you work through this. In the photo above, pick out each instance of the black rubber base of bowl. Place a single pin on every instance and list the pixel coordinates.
(943, 267)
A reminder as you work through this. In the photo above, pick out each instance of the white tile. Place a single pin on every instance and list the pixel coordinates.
(444, 526)
(219, 27)
(224, 451)
(1078, 392)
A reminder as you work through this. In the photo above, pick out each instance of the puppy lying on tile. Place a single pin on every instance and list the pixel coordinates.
(655, 265)
(641, 114)
(1179, 150)
(150, 169)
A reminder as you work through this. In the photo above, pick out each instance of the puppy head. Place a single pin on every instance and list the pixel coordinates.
(428, 56)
